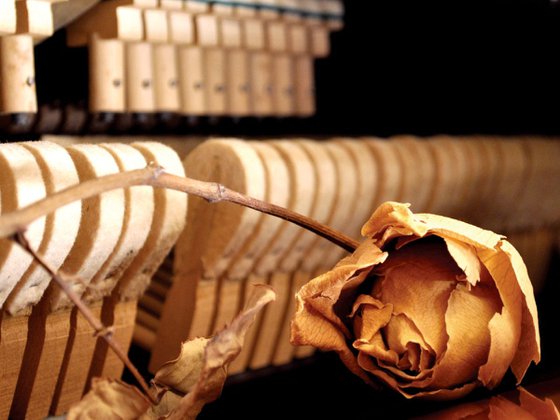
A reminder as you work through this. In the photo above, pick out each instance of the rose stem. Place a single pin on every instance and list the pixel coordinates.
(100, 329)
(155, 176)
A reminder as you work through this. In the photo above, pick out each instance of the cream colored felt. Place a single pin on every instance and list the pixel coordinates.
(139, 209)
(214, 235)
(278, 186)
(367, 184)
(170, 209)
(418, 171)
(542, 193)
(21, 183)
(304, 190)
(138, 214)
(324, 210)
(447, 196)
(61, 228)
(234, 286)
(232, 159)
(99, 234)
(100, 226)
(514, 164)
(389, 167)
(476, 181)
(348, 179)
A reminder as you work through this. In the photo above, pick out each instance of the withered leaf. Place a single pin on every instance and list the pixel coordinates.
(210, 360)
(110, 399)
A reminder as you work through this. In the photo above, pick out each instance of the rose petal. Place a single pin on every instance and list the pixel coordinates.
(529, 348)
(505, 330)
(541, 409)
(418, 280)
(446, 227)
(466, 258)
(391, 220)
(467, 318)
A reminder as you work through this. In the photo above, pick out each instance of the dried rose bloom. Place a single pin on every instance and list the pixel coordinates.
(431, 306)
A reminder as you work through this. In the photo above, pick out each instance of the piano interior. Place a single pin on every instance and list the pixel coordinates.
(329, 108)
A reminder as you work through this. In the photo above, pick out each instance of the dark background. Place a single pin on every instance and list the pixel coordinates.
(415, 67)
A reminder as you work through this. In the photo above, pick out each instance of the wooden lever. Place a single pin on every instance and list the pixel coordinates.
(17, 74)
(198, 268)
(106, 75)
(7, 17)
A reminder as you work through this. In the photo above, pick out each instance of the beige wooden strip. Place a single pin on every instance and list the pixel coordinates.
(77, 359)
(58, 172)
(106, 75)
(166, 78)
(238, 83)
(283, 84)
(215, 80)
(304, 189)
(156, 26)
(389, 169)
(260, 68)
(170, 208)
(214, 235)
(43, 359)
(278, 186)
(304, 82)
(139, 209)
(7, 17)
(476, 180)
(21, 184)
(100, 227)
(109, 19)
(191, 82)
(35, 18)
(418, 171)
(327, 191)
(139, 77)
(367, 190)
(13, 336)
(447, 194)
(348, 179)
(515, 169)
(181, 26)
(17, 74)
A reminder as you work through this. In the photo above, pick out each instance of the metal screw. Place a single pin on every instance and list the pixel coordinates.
(219, 88)
(30, 81)
(245, 88)
(173, 83)
(146, 83)
(117, 83)
(198, 85)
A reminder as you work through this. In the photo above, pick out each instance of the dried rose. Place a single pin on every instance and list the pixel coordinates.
(431, 306)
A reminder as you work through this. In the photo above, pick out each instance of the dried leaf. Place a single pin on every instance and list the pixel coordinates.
(182, 373)
(216, 355)
(110, 399)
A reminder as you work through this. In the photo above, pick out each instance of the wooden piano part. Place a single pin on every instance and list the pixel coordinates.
(278, 187)
(138, 213)
(324, 208)
(17, 75)
(418, 172)
(107, 75)
(100, 230)
(169, 217)
(7, 17)
(214, 235)
(304, 193)
(389, 170)
(21, 183)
